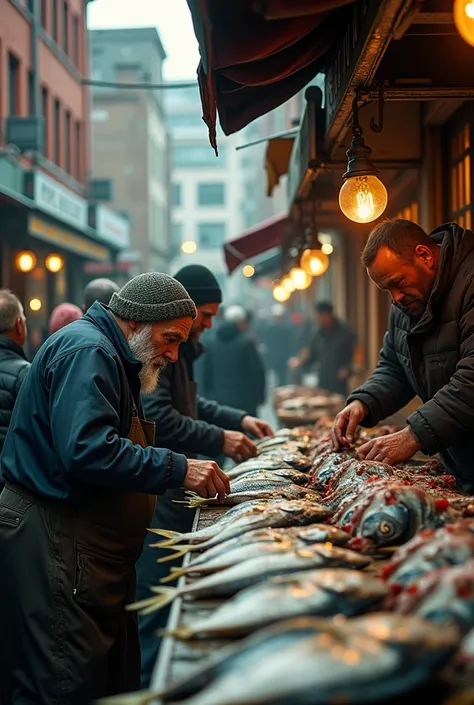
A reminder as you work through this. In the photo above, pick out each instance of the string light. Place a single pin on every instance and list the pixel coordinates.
(189, 247)
(464, 19)
(35, 304)
(280, 293)
(54, 263)
(25, 261)
(287, 282)
(300, 278)
(248, 270)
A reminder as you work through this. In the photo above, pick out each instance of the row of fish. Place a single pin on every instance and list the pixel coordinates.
(314, 617)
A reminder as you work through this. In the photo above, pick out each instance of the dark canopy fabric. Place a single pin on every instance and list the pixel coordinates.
(262, 237)
(250, 64)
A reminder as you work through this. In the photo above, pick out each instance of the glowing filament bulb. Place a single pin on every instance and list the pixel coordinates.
(464, 20)
(365, 200)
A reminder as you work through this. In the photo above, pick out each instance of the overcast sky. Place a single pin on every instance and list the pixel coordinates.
(172, 20)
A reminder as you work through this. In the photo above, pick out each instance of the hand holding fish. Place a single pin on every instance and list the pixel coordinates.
(207, 479)
(346, 423)
(391, 449)
(257, 427)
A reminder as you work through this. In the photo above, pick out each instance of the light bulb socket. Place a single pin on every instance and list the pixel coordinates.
(358, 159)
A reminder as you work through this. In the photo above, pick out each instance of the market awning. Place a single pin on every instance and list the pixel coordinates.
(256, 54)
(262, 237)
(277, 159)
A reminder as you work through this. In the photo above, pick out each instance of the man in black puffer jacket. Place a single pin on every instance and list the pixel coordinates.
(428, 349)
(13, 362)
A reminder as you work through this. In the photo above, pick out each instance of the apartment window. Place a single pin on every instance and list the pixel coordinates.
(77, 151)
(13, 85)
(211, 194)
(75, 40)
(211, 235)
(460, 167)
(66, 27)
(176, 194)
(54, 19)
(67, 141)
(197, 155)
(57, 132)
(45, 114)
(44, 14)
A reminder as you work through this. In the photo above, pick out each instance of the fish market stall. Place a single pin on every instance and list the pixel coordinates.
(297, 405)
(345, 580)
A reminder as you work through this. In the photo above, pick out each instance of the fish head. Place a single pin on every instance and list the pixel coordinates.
(385, 526)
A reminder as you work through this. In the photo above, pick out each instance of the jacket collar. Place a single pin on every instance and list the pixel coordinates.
(7, 344)
(103, 319)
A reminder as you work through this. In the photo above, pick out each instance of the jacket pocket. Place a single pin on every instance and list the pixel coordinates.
(101, 580)
(12, 516)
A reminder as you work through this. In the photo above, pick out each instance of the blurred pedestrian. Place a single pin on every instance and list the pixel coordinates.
(233, 368)
(80, 493)
(13, 362)
(187, 423)
(100, 290)
(62, 315)
(331, 349)
(278, 344)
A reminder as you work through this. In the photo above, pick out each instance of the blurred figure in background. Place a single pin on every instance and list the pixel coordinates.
(234, 373)
(13, 362)
(100, 290)
(62, 315)
(331, 348)
(278, 344)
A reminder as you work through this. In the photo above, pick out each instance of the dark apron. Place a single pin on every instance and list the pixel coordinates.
(68, 572)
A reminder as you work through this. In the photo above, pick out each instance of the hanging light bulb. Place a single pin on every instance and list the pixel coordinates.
(362, 197)
(287, 282)
(327, 248)
(54, 263)
(314, 262)
(280, 293)
(300, 278)
(25, 261)
(464, 19)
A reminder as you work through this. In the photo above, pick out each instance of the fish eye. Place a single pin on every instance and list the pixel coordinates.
(385, 528)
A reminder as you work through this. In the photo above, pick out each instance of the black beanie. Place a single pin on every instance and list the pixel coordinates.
(200, 283)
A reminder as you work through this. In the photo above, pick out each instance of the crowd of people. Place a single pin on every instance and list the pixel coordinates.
(100, 424)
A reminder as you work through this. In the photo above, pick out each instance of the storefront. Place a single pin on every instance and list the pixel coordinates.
(48, 235)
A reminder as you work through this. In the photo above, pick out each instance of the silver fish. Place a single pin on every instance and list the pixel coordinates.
(258, 515)
(281, 473)
(268, 489)
(255, 464)
(323, 592)
(313, 533)
(229, 581)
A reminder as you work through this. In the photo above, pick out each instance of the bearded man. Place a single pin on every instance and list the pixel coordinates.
(428, 349)
(82, 477)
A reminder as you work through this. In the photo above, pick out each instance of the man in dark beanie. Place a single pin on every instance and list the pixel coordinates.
(82, 474)
(189, 424)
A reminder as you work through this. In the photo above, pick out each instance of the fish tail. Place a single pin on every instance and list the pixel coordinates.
(174, 574)
(141, 697)
(182, 551)
(163, 596)
(182, 632)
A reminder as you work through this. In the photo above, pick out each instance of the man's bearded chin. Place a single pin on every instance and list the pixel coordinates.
(142, 349)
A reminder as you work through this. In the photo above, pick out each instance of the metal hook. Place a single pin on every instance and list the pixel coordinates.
(378, 126)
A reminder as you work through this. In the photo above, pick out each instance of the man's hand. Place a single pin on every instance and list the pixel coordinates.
(392, 449)
(294, 363)
(258, 428)
(207, 479)
(238, 447)
(346, 423)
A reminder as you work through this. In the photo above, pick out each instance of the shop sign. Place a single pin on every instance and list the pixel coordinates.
(57, 200)
(59, 237)
(110, 227)
(344, 57)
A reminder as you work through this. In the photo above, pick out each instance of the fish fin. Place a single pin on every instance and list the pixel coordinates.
(163, 596)
(182, 632)
(142, 697)
(165, 532)
(174, 575)
(183, 550)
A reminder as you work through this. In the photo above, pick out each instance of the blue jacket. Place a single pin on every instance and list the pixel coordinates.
(73, 414)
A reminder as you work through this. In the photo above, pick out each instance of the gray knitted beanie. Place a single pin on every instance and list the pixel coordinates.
(152, 297)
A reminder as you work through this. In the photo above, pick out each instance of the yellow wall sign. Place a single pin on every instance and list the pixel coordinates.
(57, 236)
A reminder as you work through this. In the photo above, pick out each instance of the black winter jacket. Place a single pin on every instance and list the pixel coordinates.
(434, 359)
(233, 369)
(185, 422)
(13, 368)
